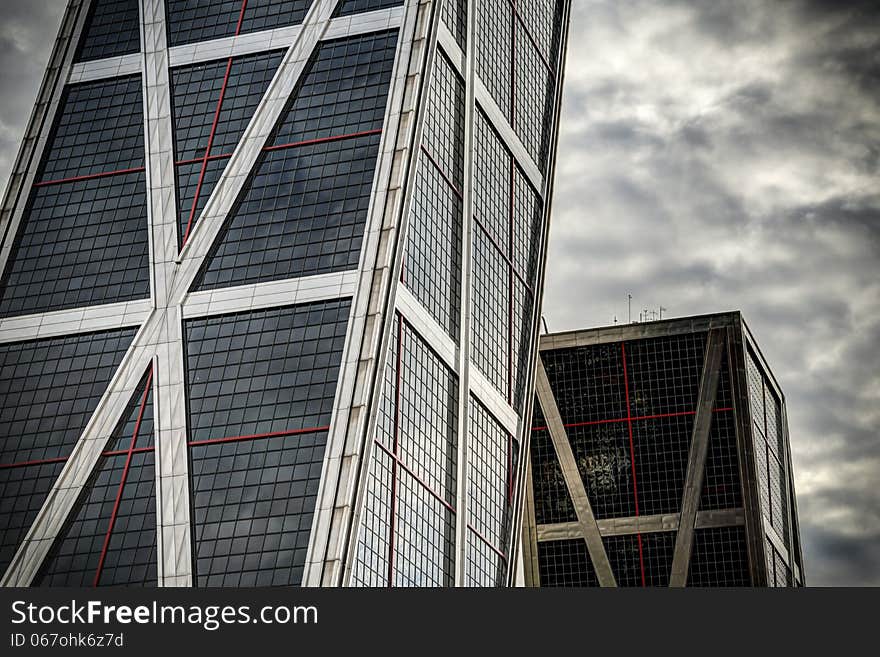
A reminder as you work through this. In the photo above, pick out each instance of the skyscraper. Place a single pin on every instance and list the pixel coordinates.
(270, 280)
(660, 457)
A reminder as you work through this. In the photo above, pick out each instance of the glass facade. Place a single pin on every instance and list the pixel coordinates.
(628, 408)
(48, 390)
(386, 196)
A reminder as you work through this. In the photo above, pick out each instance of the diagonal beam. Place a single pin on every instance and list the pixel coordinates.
(696, 469)
(573, 481)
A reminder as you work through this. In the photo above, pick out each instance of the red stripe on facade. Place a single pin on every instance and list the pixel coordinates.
(257, 436)
(240, 17)
(24, 464)
(632, 455)
(442, 173)
(195, 202)
(323, 140)
(487, 542)
(574, 425)
(89, 176)
(412, 474)
(134, 437)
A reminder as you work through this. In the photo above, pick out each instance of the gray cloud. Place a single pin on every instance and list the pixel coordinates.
(725, 155)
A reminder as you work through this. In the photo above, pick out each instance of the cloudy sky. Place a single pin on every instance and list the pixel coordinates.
(713, 156)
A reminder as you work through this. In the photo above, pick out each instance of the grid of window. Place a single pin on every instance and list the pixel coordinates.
(424, 553)
(494, 33)
(443, 135)
(664, 374)
(48, 390)
(490, 327)
(371, 563)
(566, 563)
(517, 63)
(104, 542)
(454, 15)
(349, 7)
(485, 566)
(769, 444)
(112, 28)
(491, 472)
(432, 266)
(534, 89)
(528, 226)
(587, 383)
(22, 493)
(427, 397)
(721, 486)
(551, 498)
(99, 129)
(409, 509)
(432, 269)
(82, 243)
(542, 20)
(719, 558)
(641, 559)
(782, 573)
(304, 209)
(603, 457)
(200, 20)
(212, 104)
(646, 450)
(261, 386)
(253, 503)
(302, 213)
(264, 371)
(344, 90)
(661, 456)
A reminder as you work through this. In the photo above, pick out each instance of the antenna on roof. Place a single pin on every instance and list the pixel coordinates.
(544, 322)
(661, 311)
(629, 307)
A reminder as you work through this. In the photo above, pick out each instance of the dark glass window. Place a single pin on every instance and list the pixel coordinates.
(719, 558)
(349, 7)
(454, 14)
(48, 391)
(641, 559)
(99, 129)
(517, 62)
(343, 90)
(83, 239)
(493, 58)
(82, 243)
(769, 442)
(112, 28)
(212, 105)
(721, 487)
(552, 500)
(200, 20)
(110, 537)
(492, 454)
(411, 490)
(432, 269)
(604, 459)
(261, 386)
(304, 209)
(507, 226)
(566, 563)
(664, 374)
